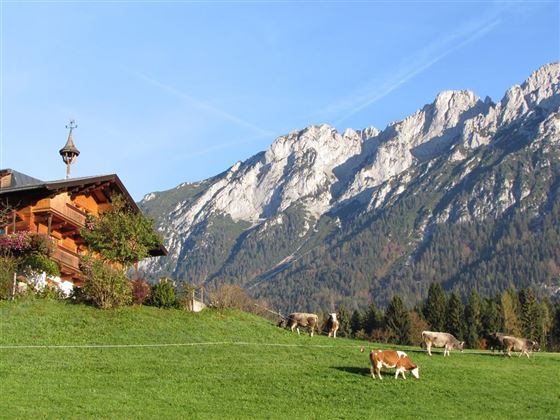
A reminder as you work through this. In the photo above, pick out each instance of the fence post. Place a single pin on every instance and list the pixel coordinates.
(14, 286)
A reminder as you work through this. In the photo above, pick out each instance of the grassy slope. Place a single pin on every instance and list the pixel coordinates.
(298, 379)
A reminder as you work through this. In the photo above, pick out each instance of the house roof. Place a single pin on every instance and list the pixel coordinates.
(23, 186)
(18, 178)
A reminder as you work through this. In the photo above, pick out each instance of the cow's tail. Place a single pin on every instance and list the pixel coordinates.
(318, 326)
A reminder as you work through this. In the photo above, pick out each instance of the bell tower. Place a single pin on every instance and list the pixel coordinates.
(69, 152)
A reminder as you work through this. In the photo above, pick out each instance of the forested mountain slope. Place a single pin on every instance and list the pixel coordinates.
(464, 192)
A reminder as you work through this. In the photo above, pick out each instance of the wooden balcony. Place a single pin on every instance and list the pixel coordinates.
(68, 261)
(61, 210)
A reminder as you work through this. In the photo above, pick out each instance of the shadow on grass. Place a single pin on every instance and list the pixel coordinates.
(438, 353)
(362, 371)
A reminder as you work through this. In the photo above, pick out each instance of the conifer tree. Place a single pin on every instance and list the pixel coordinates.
(530, 315)
(397, 321)
(555, 329)
(510, 308)
(434, 307)
(491, 317)
(455, 323)
(373, 318)
(356, 321)
(546, 322)
(473, 320)
(344, 328)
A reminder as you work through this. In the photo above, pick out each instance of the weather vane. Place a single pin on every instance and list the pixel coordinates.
(71, 125)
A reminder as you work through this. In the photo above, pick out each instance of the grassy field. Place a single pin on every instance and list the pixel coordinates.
(243, 367)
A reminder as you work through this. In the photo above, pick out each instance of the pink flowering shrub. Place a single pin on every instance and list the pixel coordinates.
(24, 253)
(86, 264)
(18, 242)
(25, 242)
(90, 222)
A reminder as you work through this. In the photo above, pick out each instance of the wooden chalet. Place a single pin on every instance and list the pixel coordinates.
(59, 209)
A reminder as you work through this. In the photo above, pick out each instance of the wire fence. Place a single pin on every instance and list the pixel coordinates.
(150, 345)
(366, 346)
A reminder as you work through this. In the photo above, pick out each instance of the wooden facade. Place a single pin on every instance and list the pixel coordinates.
(59, 209)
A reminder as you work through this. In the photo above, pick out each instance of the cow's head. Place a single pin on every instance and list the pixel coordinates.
(333, 316)
(535, 346)
(415, 372)
(461, 345)
(282, 323)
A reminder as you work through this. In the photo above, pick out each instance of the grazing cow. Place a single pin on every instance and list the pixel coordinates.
(495, 341)
(392, 359)
(332, 325)
(302, 319)
(523, 345)
(441, 339)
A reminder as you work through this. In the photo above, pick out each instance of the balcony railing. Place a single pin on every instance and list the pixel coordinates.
(62, 209)
(66, 258)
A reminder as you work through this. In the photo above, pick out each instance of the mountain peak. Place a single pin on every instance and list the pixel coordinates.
(447, 96)
(542, 89)
(546, 75)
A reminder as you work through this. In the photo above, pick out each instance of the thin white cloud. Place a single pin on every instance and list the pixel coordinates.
(423, 60)
(203, 106)
(222, 146)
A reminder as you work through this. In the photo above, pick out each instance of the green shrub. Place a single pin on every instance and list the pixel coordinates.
(38, 263)
(105, 286)
(24, 253)
(121, 234)
(51, 292)
(163, 294)
(8, 266)
(184, 295)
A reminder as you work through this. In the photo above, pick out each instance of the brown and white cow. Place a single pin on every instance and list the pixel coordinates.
(392, 359)
(332, 325)
(523, 345)
(441, 339)
(302, 319)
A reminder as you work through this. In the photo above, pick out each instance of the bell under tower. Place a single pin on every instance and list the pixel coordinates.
(69, 152)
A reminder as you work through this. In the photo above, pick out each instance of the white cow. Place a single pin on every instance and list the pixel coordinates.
(441, 339)
(302, 319)
(523, 345)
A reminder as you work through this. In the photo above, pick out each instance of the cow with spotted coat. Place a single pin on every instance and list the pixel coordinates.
(396, 359)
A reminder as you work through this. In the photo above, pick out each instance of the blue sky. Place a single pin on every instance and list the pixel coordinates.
(178, 91)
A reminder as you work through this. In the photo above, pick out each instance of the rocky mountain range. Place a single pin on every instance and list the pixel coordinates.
(463, 192)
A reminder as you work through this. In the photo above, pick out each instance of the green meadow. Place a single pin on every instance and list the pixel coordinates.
(59, 360)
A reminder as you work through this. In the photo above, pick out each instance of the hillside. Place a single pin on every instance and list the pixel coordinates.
(61, 360)
(464, 192)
